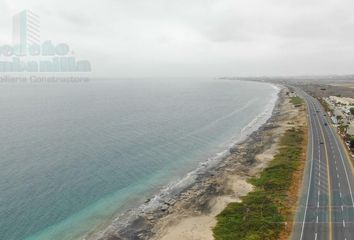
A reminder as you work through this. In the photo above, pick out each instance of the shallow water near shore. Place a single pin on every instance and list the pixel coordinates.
(75, 155)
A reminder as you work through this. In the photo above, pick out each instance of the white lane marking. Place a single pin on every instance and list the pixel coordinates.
(343, 223)
(338, 184)
(337, 175)
(342, 208)
(310, 179)
(317, 219)
(318, 192)
(344, 166)
(318, 204)
(315, 236)
(340, 194)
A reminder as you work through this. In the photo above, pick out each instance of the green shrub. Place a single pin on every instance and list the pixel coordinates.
(260, 215)
(297, 101)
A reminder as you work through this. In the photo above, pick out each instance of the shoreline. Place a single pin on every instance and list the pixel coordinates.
(195, 198)
(247, 160)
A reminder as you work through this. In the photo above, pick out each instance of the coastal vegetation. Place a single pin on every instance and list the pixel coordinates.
(263, 212)
(297, 101)
(325, 105)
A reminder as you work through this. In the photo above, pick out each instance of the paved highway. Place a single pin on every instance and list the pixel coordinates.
(326, 208)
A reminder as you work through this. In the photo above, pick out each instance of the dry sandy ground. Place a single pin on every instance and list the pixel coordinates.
(199, 227)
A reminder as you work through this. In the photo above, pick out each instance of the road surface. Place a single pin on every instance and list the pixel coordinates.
(326, 210)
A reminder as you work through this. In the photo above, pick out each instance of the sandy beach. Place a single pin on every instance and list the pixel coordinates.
(191, 214)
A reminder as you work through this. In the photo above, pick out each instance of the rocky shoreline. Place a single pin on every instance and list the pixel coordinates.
(196, 200)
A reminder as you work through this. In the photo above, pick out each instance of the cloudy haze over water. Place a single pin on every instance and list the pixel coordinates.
(198, 37)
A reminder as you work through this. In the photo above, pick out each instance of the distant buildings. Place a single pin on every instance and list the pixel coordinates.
(334, 120)
(342, 100)
(26, 31)
(341, 115)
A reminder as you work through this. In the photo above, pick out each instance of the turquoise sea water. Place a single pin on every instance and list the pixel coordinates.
(75, 155)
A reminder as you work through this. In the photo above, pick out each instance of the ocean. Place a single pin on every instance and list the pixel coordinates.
(76, 155)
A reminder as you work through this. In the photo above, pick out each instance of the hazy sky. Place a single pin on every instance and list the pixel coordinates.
(138, 38)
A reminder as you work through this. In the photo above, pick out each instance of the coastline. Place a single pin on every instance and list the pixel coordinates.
(208, 192)
(194, 220)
